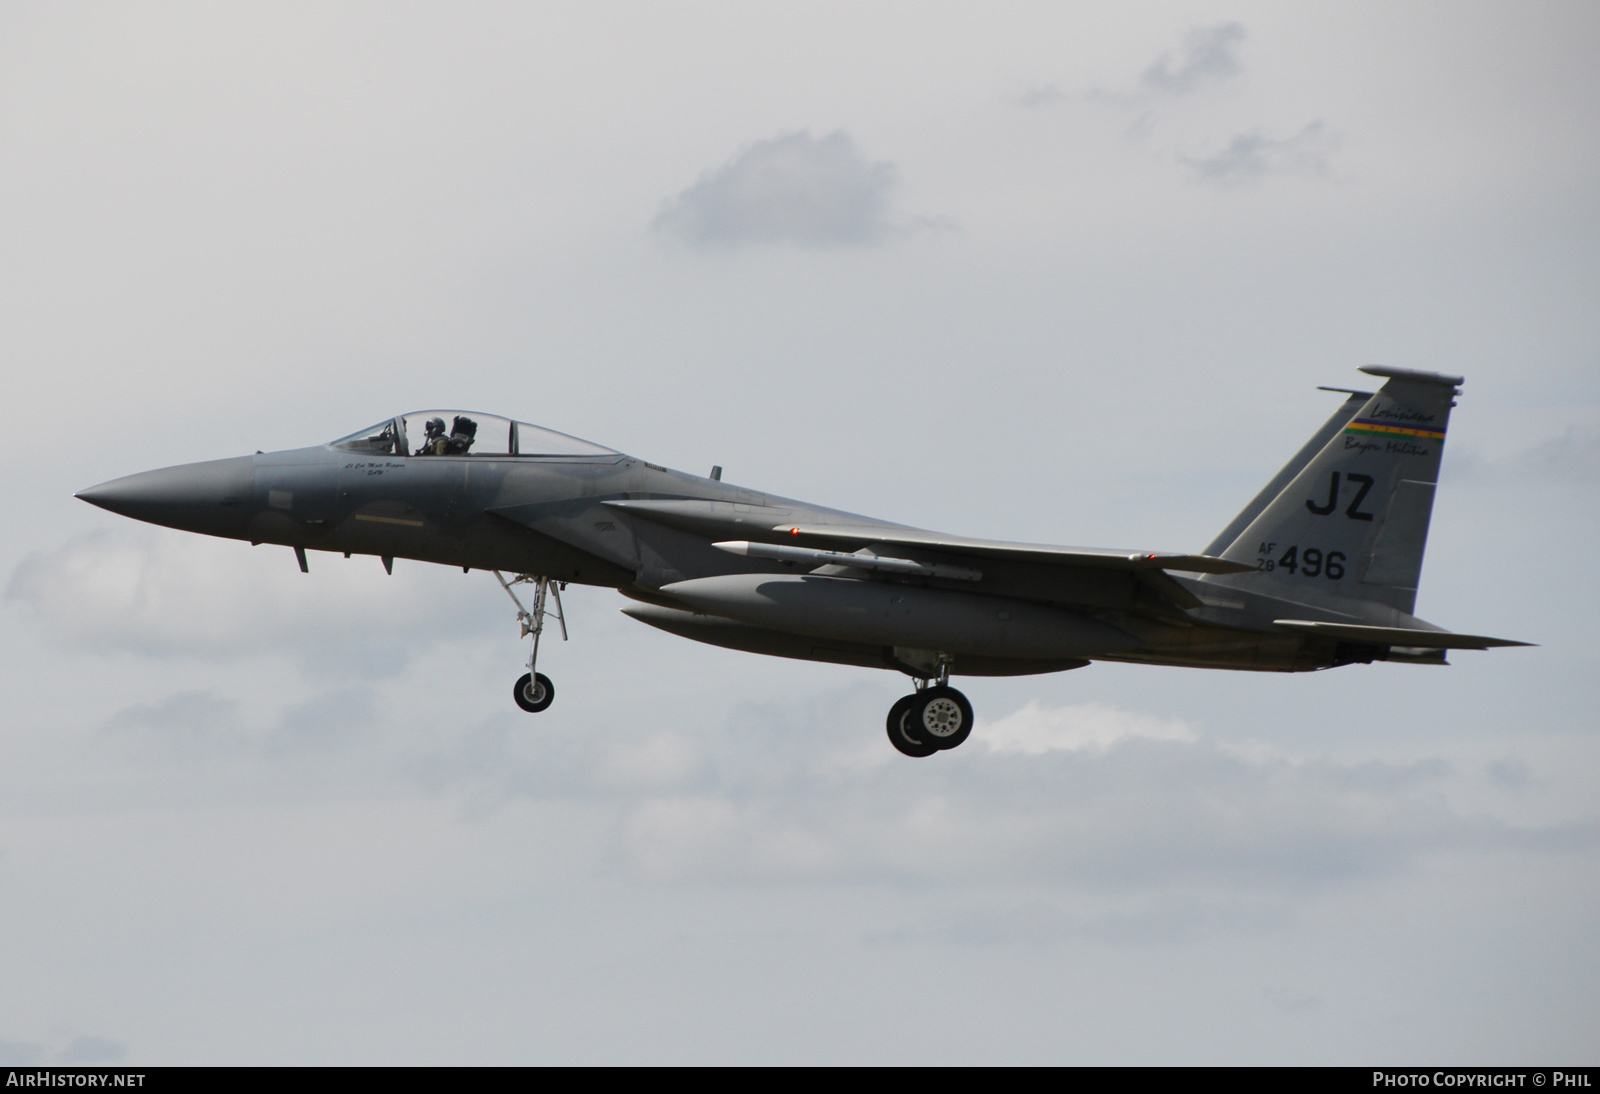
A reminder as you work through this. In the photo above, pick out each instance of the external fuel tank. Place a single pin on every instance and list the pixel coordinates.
(895, 614)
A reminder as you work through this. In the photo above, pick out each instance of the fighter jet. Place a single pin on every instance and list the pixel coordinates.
(1319, 570)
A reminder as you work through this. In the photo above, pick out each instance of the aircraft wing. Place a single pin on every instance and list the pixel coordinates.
(1092, 557)
(721, 520)
(1410, 637)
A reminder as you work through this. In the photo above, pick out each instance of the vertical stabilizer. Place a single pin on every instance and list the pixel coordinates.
(1286, 474)
(1352, 523)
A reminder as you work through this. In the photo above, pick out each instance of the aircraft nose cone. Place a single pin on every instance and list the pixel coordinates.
(118, 495)
(210, 497)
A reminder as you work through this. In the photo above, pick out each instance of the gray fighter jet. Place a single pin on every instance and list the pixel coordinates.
(1319, 570)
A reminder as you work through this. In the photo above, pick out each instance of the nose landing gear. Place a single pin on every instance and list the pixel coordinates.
(931, 719)
(534, 691)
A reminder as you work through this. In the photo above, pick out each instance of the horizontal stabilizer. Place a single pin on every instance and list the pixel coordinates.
(1408, 637)
(868, 535)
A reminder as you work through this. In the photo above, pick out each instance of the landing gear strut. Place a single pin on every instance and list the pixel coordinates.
(931, 719)
(534, 691)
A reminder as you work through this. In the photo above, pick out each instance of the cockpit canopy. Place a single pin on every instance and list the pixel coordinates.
(464, 433)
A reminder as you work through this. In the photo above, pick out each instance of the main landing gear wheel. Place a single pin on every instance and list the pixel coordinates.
(941, 716)
(534, 692)
(900, 730)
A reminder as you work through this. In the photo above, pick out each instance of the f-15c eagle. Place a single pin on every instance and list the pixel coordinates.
(1319, 570)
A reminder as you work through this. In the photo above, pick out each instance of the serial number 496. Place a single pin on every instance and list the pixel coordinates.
(1310, 562)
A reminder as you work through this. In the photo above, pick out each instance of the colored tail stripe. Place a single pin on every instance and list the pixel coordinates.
(1386, 429)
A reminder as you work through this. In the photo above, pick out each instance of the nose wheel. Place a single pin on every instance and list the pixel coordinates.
(930, 720)
(534, 691)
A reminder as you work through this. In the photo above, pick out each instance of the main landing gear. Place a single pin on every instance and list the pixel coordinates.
(534, 691)
(931, 719)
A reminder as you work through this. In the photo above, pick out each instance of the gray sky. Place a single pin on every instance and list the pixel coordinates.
(1060, 274)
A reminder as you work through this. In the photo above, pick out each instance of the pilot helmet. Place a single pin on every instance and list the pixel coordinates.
(434, 428)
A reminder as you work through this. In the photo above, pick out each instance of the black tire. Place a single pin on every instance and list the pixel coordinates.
(899, 726)
(534, 692)
(941, 716)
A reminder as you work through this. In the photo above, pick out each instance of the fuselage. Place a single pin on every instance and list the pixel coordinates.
(600, 517)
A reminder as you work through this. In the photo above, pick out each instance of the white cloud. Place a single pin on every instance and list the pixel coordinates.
(1085, 727)
(682, 838)
(664, 759)
(1208, 54)
(188, 723)
(1251, 156)
(1087, 795)
(160, 593)
(1165, 920)
(21, 1053)
(1039, 96)
(80, 1051)
(91, 1051)
(795, 189)
(1572, 457)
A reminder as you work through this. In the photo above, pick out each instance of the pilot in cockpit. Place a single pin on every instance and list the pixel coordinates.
(434, 441)
(463, 431)
(458, 442)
